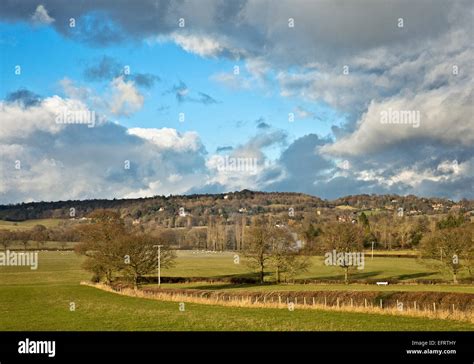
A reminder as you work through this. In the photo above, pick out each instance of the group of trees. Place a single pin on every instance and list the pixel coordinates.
(451, 245)
(115, 246)
(445, 243)
(39, 234)
(270, 246)
(112, 249)
(344, 238)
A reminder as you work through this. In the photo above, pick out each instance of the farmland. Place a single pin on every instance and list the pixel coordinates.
(40, 300)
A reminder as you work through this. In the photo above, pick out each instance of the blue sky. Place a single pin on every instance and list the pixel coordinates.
(335, 72)
(47, 57)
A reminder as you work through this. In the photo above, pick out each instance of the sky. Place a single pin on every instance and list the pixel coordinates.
(126, 99)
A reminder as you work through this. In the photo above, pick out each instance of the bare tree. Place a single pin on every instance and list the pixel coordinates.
(24, 238)
(450, 247)
(344, 238)
(258, 249)
(142, 255)
(111, 249)
(39, 233)
(285, 257)
(6, 238)
(99, 244)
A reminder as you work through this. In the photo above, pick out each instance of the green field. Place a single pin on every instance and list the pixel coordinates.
(192, 264)
(28, 224)
(459, 288)
(40, 300)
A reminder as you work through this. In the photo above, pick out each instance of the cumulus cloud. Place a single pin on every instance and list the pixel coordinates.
(243, 166)
(19, 122)
(436, 109)
(73, 161)
(350, 56)
(171, 139)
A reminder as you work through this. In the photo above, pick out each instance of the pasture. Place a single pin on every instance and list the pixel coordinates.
(41, 300)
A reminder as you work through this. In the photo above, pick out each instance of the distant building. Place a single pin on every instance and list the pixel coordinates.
(437, 206)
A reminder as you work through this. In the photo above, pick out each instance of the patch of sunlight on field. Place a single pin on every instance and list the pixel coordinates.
(221, 264)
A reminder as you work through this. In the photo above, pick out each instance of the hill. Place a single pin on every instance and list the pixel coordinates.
(201, 206)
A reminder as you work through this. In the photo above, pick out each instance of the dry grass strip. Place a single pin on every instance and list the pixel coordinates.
(258, 302)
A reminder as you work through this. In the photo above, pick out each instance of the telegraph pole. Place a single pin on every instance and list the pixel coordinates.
(159, 263)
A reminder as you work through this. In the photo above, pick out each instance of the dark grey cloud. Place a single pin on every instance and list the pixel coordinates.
(261, 124)
(108, 68)
(333, 28)
(203, 98)
(24, 97)
(421, 168)
(302, 166)
(183, 94)
(145, 80)
(326, 33)
(226, 148)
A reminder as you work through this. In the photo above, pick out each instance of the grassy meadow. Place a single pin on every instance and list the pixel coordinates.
(41, 300)
(28, 224)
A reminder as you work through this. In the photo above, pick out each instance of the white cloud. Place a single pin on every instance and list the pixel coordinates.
(202, 45)
(41, 16)
(126, 98)
(19, 122)
(64, 161)
(302, 113)
(437, 108)
(232, 81)
(167, 138)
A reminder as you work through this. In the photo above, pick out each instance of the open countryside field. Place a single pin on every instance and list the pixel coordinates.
(28, 224)
(209, 264)
(40, 300)
(67, 266)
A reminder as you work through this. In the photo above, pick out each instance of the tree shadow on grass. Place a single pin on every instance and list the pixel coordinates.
(225, 286)
(402, 277)
(340, 277)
